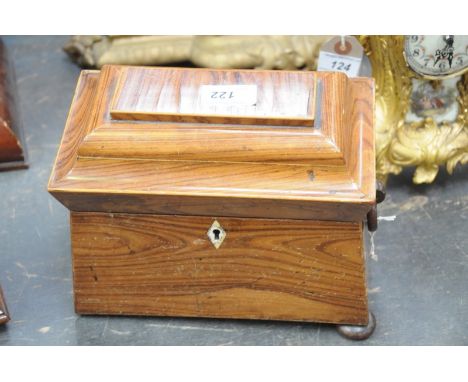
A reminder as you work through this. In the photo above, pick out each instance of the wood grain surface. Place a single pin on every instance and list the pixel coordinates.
(11, 151)
(325, 172)
(76, 127)
(264, 269)
(172, 94)
(4, 315)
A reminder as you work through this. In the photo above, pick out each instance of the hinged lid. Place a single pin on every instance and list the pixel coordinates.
(279, 144)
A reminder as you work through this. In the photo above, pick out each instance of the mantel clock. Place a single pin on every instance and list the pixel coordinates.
(421, 103)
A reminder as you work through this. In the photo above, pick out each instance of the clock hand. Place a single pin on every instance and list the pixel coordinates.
(449, 41)
(438, 54)
(451, 51)
(447, 51)
(449, 48)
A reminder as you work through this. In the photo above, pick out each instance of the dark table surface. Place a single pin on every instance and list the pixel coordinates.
(418, 286)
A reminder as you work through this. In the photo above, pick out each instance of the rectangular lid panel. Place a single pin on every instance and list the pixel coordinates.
(215, 96)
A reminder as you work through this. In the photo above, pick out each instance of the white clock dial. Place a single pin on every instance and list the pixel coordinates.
(437, 56)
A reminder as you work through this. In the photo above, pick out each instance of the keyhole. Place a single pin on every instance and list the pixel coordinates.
(216, 234)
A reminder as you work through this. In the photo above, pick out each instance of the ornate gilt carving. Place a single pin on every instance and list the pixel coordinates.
(262, 52)
(96, 51)
(426, 143)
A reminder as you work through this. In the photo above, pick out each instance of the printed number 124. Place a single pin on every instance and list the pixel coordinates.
(340, 65)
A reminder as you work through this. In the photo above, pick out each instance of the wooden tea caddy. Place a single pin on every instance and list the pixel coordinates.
(184, 203)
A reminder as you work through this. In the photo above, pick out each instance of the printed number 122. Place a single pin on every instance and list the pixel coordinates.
(222, 95)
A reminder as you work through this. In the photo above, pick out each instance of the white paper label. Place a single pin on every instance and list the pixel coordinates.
(330, 62)
(228, 95)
